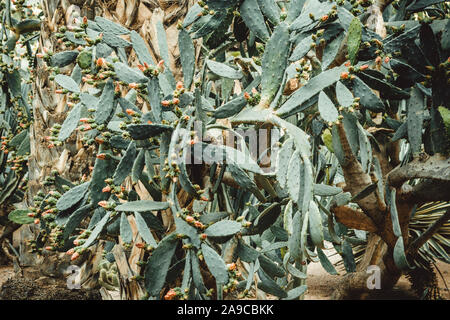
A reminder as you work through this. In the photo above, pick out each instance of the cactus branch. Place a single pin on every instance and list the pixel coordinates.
(436, 168)
(353, 218)
(357, 180)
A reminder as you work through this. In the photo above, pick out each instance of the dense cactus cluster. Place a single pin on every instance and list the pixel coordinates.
(175, 175)
(18, 38)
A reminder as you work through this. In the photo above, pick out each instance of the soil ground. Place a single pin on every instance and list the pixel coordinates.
(13, 287)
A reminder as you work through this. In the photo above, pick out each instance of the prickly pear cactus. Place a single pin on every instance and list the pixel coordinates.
(18, 42)
(230, 169)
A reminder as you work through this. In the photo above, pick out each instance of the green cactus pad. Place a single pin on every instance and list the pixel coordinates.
(343, 95)
(368, 99)
(271, 10)
(103, 169)
(72, 197)
(294, 181)
(20, 216)
(295, 238)
(416, 109)
(143, 229)
(215, 264)
(315, 225)
(223, 70)
(113, 41)
(301, 97)
(191, 232)
(386, 89)
(327, 109)
(17, 140)
(266, 218)
(296, 292)
(75, 220)
(301, 49)
(109, 26)
(224, 228)
(84, 59)
(295, 8)
(99, 226)
(211, 23)
(105, 106)
(269, 286)
(142, 205)
(129, 75)
(71, 37)
(145, 131)
(324, 190)
(187, 56)
(140, 48)
(70, 123)
(125, 165)
(270, 267)
(326, 263)
(67, 83)
(192, 15)
(274, 62)
(158, 265)
(213, 217)
(196, 274)
(253, 18)
(354, 39)
(230, 108)
(62, 59)
(138, 166)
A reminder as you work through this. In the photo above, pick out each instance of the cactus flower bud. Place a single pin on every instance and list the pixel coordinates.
(74, 256)
(170, 295)
(106, 189)
(165, 103)
(344, 75)
(175, 101)
(179, 85)
(246, 95)
(99, 140)
(198, 225)
(386, 60)
(378, 60)
(70, 251)
(101, 62)
(37, 221)
(189, 219)
(363, 67)
(161, 66)
(130, 112)
(324, 18)
(103, 203)
(231, 266)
